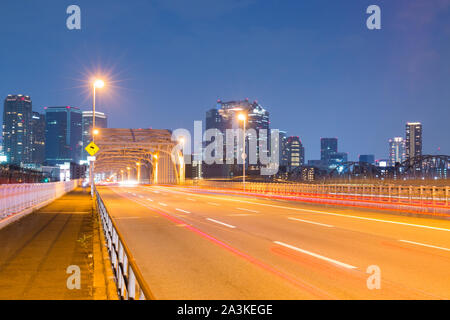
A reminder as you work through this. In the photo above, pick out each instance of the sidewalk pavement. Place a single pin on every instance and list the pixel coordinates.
(41, 253)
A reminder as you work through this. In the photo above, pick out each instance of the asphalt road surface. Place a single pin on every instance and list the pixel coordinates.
(203, 245)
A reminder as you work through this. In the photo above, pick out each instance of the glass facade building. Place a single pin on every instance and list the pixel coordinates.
(296, 153)
(283, 149)
(413, 141)
(225, 116)
(397, 151)
(17, 138)
(63, 135)
(38, 138)
(328, 146)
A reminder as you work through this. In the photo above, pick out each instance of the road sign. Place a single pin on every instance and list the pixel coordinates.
(92, 148)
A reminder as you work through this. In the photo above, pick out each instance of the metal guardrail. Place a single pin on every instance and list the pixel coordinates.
(130, 282)
(15, 198)
(426, 196)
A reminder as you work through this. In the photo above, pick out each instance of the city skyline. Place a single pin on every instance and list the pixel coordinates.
(406, 82)
(355, 156)
(224, 156)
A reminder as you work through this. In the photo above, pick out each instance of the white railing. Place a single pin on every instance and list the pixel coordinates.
(130, 282)
(15, 198)
(399, 195)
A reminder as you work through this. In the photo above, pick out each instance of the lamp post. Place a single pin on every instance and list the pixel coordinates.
(155, 170)
(182, 166)
(128, 173)
(121, 171)
(97, 84)
(243, 118)
(138, 164)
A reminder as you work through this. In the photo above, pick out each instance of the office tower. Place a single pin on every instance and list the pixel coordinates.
(3, 158)
(413, 141)
(63, 135)
(328, 146)
(197, 165)
(225, 116)
(17, 129)
(101, 121)
(283, 151)
(367, 158)
(295, 153)
(397, 151)
(38, 138)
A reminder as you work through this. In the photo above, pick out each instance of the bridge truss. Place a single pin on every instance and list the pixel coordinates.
(148, 155)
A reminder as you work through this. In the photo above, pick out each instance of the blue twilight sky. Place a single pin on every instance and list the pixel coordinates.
(312, 63)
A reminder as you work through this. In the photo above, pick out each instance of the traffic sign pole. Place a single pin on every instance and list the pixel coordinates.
(92, 149)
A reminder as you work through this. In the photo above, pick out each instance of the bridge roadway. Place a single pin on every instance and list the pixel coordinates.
(200, 245)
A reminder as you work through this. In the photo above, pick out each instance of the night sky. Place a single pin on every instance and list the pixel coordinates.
(312, 64)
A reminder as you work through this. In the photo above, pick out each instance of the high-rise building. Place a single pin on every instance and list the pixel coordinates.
(101, 121)
(397, 151)
(38, 138)
(63, 135)
(295, 153)
(225, 116)
(328, 146)
(17, 129)
(283, 148)
(367, 158)
(413, 141)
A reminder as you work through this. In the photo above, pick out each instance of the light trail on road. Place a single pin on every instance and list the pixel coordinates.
(321, 255)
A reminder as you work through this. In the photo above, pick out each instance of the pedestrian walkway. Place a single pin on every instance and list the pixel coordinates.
(40, 254)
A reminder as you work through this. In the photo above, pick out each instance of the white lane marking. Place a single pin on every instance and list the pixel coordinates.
(155, 191)
(244, 209)
(134, 194)
(324, 212)
(149, 199)
(181, 210)
(337, 214)
(222, 223)
(312, 222)
(141, 196)
(190, 199)
(162, 204)
(425, 245)
(213, 203)
(316, 255)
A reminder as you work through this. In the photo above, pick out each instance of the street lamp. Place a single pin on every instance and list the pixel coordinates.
(98, 83)
(242, 117)
(182, 165)
(128, 173)
(155, 169)
(138, 164)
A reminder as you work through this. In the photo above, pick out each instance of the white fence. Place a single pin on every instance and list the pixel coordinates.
(15, 198)
(130, 282)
